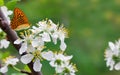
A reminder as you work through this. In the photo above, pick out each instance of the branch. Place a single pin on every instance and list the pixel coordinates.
(12, 36)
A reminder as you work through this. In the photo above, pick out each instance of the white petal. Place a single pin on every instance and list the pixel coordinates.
(37, 65)
(23, 48)
(12, 61)
(53, 26)
(66, 58)
(111, 45)
(59, 69)
(30, 48)
(37, 42)
(47, 55)
(26, 58)
(4, 69)
(5, 43)
(117, 66)
(63, 46)
(52, 63)
(6, 13)
(55, 37)
(46, 37)
(18, 41)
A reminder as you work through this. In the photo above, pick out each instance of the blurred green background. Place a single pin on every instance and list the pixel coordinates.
(91, 24)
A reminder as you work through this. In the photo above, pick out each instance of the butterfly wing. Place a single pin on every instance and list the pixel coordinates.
(19, 20)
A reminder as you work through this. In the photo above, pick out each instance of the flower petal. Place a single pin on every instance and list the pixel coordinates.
(55, 37)
(18, 41)
(111, 45)
(117, 66)
(59, 69)
(5, 43)
(4, 69)
(46, 37)
(23, 48)
(63, 46)
(37, 65)
(12, 61)
(47, 55)
(26, 58)
(37, 42)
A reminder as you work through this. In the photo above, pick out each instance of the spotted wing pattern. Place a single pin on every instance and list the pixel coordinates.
(19, 20)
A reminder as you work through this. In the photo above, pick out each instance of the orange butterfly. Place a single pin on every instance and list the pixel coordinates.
(19, 20)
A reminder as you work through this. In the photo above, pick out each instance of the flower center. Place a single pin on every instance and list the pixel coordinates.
(116, 58)
(58, 61)
(37, 54)
(66, 70)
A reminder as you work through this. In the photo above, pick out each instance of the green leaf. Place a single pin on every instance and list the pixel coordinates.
(27, 68)
(11, 4)
(1, 2)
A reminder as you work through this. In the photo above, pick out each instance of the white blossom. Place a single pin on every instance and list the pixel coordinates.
(112, 55)
(61, 63)
(6, 13)
(28, 41)
(67, 69)
(24, 44)
(60, 33)
(58, 59)
(8, 61)
(36, 56)
(4, 43)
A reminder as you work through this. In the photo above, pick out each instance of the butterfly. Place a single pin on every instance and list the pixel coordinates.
(19, 20)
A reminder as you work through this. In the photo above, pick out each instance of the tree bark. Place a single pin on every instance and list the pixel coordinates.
(12, 36)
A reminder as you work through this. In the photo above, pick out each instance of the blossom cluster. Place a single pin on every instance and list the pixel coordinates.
(112, 55)
(34, 49)
(34, 45)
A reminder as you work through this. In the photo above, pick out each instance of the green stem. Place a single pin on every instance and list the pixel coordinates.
(17, 69)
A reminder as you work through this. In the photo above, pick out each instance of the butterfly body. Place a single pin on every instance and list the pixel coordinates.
(19, 20)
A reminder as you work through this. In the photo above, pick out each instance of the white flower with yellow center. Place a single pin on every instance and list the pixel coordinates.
(58, 59)
(8, 61)
(61, 63)
(36, 56)
(61, 34)
(112, 56)
(44, 29)
(28, 41)
(6, 13)
(66, 69)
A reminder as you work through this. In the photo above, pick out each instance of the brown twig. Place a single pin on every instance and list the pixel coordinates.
(12, 36)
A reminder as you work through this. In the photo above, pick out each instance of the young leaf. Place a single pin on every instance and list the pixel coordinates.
(1, 2)
(11, 4)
